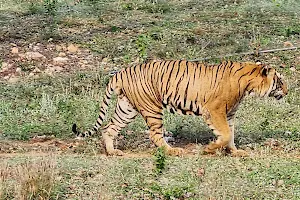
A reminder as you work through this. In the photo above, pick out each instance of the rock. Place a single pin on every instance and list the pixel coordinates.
(105, 60)
(72, 48)
(58, 47)
(31, 74)
(200, 172)
(14, 50)
(293, 69)
(49, 71)
(21, 55)
(50, 47)
(57, 68)
(62, 54)
(280, 182)
(288, 44)
(36, 48)
(4, 65)
(18, 70)
(36, 70)
(13, 79)
(59, 60)
(34, 55)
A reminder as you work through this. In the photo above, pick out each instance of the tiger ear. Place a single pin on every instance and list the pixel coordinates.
(258, 62)
(266, 71)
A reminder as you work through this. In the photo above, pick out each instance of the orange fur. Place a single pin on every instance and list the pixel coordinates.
(189, 88)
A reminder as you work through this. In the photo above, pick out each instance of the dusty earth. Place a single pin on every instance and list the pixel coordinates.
(33, 60)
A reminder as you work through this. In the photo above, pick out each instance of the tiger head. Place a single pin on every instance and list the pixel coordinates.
(269, 83)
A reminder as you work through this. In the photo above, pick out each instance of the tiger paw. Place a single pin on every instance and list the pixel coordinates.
(175, 151)
(115, 152)
(208, 150)
(240, 153)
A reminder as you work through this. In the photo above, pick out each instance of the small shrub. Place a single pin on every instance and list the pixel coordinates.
(4, 187)
(142, 45)
(160, 160)
(50, 7)
(154, 6)
(34, 8)
(36, 180)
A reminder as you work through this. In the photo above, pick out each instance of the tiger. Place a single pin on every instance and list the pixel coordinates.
(185, 87)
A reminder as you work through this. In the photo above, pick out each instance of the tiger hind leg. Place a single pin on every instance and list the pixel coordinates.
(124, 114)
(156, 132)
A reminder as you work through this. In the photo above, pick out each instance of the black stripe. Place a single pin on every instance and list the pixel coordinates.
(197, 111)
(162, 76)
(238, 70)
(172, 110)
(185, 93)
(154, 117)
(242, 77)
(253, 70)
(102, 112)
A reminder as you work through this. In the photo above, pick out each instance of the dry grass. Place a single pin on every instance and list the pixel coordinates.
(4, 174)
(29, 180)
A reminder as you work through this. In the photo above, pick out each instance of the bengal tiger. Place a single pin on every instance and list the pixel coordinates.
(185, 87)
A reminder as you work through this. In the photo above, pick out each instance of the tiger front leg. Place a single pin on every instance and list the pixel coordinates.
(217, 121)
(231, 146)
(223, 128)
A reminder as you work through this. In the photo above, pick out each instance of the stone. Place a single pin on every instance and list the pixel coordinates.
(72, 48)
(293, 69)
(36, 70)
(105, 60)
(13, 79)
(34, 55)
(62, 54)
(14, 50)
(60, 60)
(58, 47)
(57, 68)
(288, 44)
(18, 70)
(4, 65)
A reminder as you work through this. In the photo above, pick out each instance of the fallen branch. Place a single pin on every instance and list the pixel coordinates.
(259, 52)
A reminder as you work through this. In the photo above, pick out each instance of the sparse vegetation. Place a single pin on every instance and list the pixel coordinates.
(115, 34)
(29, 180)
(160, 160)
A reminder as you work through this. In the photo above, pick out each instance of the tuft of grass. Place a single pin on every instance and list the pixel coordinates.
(160, 160)
(142, 45)
(30, 180)
(36, 180)
(5, 193)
